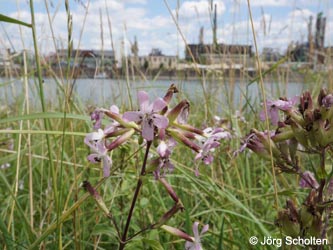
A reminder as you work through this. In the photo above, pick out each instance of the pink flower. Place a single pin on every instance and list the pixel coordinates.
(210, 142)
(308, 180)
(196, 244)
(164, 150)
(94, 137)
(327, 101)
(273, 108)
(148, 115)
(100, 153)
(256, 142)
(98, 114)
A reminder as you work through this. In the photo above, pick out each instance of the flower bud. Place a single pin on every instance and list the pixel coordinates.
(167, 216)
(127, 133)
(99, 200)
(265, 139)
(184, 140)
(177, 232)
(300, 134)
(119, 119)
(322, 94)
(305, 102)
(172, 90)
(288, 226)
(316, 227)
(179, 112)
(306, 217)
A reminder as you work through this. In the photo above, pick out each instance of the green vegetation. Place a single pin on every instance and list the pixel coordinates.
(43, 162)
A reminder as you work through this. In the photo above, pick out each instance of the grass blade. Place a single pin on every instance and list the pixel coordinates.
(8, 19)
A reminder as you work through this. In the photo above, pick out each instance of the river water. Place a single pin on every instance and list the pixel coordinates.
(105, 92)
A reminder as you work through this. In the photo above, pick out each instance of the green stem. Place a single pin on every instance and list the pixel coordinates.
(41, 93)
(135, 197)
(322, 180)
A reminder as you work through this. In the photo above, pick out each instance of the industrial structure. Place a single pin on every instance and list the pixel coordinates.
(88, 63)
(313, 50)
(224, 56)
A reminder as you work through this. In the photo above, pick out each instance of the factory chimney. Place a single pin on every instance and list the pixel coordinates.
(201, 35)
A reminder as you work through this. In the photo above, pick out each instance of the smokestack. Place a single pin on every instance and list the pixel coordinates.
(310, 30)
(201, 35)
(320, 31)
(214, 27)
(310, 39)
(318, 25)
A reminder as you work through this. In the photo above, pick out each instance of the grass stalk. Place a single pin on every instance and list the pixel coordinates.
(47, 124)
(64, 217)
(29, 146)
(31, 190)
(263, 92)
(16, 180)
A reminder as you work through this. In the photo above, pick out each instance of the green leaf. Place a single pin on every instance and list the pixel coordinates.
(144, 202)
(104, 229)
(8, 19)
(26, 225)
(8, 240)
(45, 115)
(152, 244)
(135, 243)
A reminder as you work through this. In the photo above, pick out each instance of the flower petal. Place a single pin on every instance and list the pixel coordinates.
(198, 156)
(208, 159)
(308, 180)
(93, 138)
(160, 121)
(97, 136)
(114, 109)
(97, 116)
(162, 149)
(169, 166)
(189, 245)
(274, 114)
(107, 162)
(196, 231)
(158, 105)
(262, 115)
(94, 158)
(204, 229)
(143, 101)
(133, 116)
(147, 130)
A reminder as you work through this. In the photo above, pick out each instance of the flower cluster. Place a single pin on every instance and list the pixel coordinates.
(154, 122)
(305, 220)
(306, 127)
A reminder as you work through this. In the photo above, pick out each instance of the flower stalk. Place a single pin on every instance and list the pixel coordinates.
(135, 197)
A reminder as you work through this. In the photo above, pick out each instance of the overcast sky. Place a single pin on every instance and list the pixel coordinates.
(276, 22)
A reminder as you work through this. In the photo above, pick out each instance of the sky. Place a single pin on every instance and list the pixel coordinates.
(164, 24)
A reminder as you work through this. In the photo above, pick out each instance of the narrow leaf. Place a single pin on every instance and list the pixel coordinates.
(8, 19)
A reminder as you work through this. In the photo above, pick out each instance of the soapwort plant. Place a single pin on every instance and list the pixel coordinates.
(157, 125)
(303, 127)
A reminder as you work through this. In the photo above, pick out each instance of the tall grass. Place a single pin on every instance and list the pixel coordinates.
(43, 205)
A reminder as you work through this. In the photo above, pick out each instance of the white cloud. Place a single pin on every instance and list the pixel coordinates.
(271, 3)
(200, 10)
